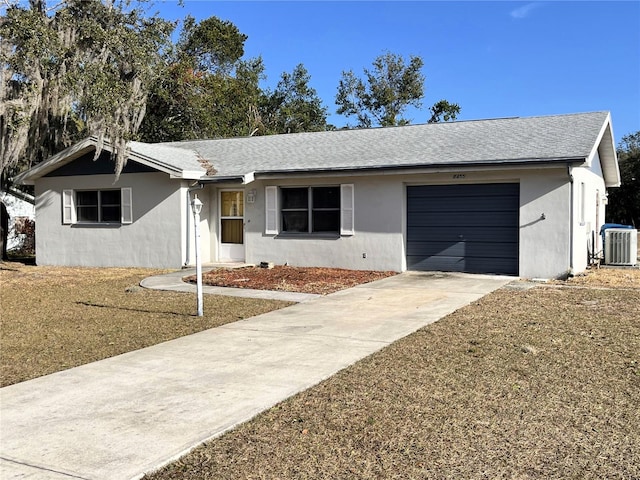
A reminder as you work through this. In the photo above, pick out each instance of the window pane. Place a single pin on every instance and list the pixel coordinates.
(295, 198)
(231, 230)
(110, 213)
(110, 197)
(87, 214)
(295, 221)
(326, 221)
(326, 197)
(87, 198)
(232, 204)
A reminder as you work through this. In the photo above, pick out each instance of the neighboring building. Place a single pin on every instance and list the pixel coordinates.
(21, 209)
(516, 196)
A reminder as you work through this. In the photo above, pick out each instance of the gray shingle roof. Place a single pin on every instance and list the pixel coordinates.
(502, 141)
(507, 140)
(178, 159)
(177, 162)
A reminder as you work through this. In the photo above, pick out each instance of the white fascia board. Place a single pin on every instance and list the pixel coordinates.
(608, 155)
(173, 172)
(248, 178)
(155, 164)
(185, 174)
(403, 170)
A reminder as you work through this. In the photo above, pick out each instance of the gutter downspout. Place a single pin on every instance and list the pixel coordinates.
(571, 228)
(192, 188)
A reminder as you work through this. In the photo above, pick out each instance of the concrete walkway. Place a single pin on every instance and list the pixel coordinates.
(121, 417)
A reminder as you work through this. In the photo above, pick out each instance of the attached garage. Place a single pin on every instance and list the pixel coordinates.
(463, 228)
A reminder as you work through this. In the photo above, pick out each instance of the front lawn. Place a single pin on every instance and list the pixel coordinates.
(527, 384)
(54, 318)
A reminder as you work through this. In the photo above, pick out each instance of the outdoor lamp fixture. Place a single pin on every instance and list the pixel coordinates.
(196, 207)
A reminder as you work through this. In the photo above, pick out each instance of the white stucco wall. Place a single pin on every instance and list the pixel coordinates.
(378, 208)
(162, 233)
(380, 222)
(545, 224)
(155, 238)
(589, 211)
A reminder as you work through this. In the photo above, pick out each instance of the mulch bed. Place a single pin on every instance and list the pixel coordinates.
(290, 279)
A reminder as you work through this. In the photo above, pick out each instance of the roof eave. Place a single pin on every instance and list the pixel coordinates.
(245, 179)
(519, 163)
(28, 177)
(229, 179)
(173, 172)
(605, 147)
(75, 151)
(186, 175)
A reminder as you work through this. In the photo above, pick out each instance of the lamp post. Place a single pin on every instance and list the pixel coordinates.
(196, 207)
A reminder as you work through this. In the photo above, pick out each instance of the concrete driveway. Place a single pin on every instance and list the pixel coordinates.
(121, 417)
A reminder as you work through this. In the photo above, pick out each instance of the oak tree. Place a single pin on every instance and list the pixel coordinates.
(294, 106)
(78, 68)
(387, 90)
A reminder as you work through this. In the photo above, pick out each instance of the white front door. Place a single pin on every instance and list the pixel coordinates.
(231, 226)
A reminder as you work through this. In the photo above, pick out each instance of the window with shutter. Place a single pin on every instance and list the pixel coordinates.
(318, 209)
(97, 206)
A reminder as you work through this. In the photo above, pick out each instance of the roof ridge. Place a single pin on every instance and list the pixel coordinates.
(176, 143)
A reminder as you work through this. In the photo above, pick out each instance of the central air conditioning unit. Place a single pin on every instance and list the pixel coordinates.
(620, 246)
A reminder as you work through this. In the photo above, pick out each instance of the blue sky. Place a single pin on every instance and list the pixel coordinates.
(495, 59)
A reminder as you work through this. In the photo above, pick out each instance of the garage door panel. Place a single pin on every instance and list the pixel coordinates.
(469, 233)
(444, 264)
(464, 204)
(466, 228)
(464, 249)
(460, 264)
(444, 220)
(462, 190)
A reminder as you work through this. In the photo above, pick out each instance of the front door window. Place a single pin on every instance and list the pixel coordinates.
(232, 217)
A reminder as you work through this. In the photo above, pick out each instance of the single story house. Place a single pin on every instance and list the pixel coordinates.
(514, 196)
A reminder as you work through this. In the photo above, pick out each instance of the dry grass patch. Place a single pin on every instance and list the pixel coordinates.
(607, 277)
(542, 383)
(55, 318)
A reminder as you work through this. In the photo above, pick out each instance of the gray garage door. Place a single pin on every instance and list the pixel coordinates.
(463, 228)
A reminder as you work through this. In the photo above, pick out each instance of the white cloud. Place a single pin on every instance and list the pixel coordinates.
(525, 10)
